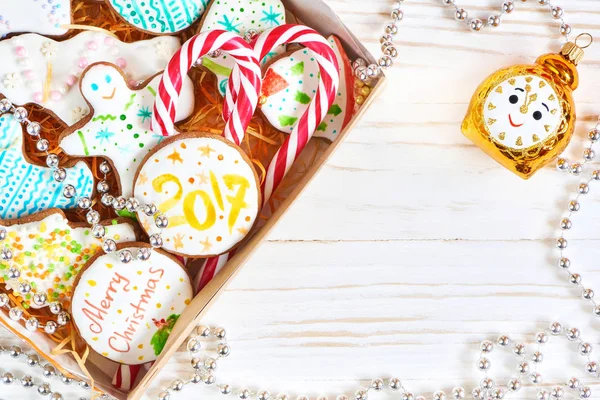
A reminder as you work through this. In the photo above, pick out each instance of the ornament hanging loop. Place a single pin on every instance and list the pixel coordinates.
(580, 37)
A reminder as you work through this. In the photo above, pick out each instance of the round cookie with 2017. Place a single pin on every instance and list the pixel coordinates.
(126, 312)
(206, 187)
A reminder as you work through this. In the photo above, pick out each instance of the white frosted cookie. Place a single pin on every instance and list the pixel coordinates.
(28, 60)
(45, 17)
(240, 16)
(26, 188)
(126, 312)
(119, 127)
(206, 187)
(291, 82)
(50, 251)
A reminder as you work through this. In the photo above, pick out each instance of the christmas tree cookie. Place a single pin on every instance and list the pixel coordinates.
(240, 16)
(291, 82)
(26, 188)
(119, 125)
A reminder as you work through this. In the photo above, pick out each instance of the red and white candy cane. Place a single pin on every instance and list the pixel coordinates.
(246, 73)
(306, 126)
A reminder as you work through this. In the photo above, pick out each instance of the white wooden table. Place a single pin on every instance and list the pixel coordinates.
(412, 246)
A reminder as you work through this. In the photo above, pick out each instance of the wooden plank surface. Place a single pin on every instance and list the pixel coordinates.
(412, 246)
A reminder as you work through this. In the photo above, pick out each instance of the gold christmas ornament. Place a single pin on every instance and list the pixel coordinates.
(524, 116)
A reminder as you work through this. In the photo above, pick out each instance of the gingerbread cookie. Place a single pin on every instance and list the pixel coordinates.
(46, 17)
(159, 16)
(240, 16)
(30, 61)
(206, 187)
(119, 125)
(50, 251)
(290, 83)
(127, 311)
(26, 188)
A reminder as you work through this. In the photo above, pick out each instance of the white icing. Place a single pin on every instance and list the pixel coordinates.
(202, 221)
(120, 126)
(118, 308)
(25, 61)
(510, 112)
(50, 253)
(300, 72)
(240, 16)
(40, 16)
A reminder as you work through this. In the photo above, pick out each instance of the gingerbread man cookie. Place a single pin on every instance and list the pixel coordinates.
(206, 187)
(30, 61)
(46, 17)
(119, 127)
(26, 188)
(50, 251)
(290, 83)
(127, 311)
(240, 16)
(159, 16)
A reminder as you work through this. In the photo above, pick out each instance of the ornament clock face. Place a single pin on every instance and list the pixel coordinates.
(522, 112)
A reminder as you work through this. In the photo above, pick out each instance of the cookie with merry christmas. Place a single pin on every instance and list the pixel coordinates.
(46, 17)
(42, 71)
(291, 81)
(25, 186)
(240, 16)
(118, 127)
(49, 251)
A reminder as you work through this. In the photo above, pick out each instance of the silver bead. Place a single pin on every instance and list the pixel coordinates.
(3, 299)
(226, 389)
(156, 240)
(244, 394)
(195, 378)
(196, 363)
(164, 395)
(20, 114)
(203, 331)
(24, 288)
(15, 313)
(395, 384)
(458, 393)
(508, 7)
(408, 396)
(34, 129)
(50, 327)
(523, 367)
(2, 233)
(14, 273)
(119, 203)
(391, 51)
(439, 395)
(562, 243)
(498, 393)
(143, 254)
(543, 2)
(576, 169)
(56, 396)
(27, 381)
(210, 364)
(566, 224)
(589, 154)
(302, 398)
(596, 311)
(105, 167)
(84, 385)
(596, 175)
(48, 371)
(541, 338)
(177, 385)
(102, 187)
(484, 364)
(15, 351)
(475, 24)
(125, 256)
(361, 62)
(587, 294)
(519, 349)
(193, 346)
(557, 393)
(33, 360)
(585, 392)
(494, 20)
(55, 307)
(503, 340)
(563, 164)
(573, 383)
(361, 73)
(592, 368)
(361, 394)
(223, 350)
(385, 62)
(373, 70)
(84, 203)
(7, 254)
(32, 324)
(161, 221)
(477, 393)
(461, 14)
(391, 29)
(5, 105)
(98, 231)
(66, 380)
(397, 14)
(565, 29)
(575, 279)
(52, 160)
(585, 349)
(514, 385)
(44, 389)
(377, 384)
(487, 383)
(69, 191)
(150, 210)
(8, 378)
(107, 200)
(543, 395)
(62, 318)
(42, 145)
(594, 135)
(574, 206)
(537, 357)
(536, 378)
(556, 328)
(92, 217)
(109, 246)
(583, 188)
(59, 174)
(132, 205)
(263, 395)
